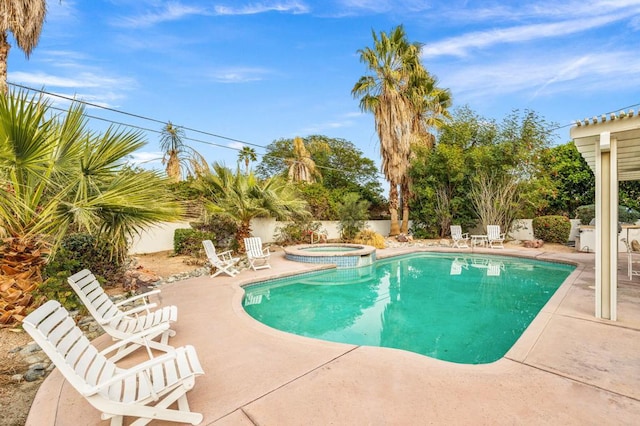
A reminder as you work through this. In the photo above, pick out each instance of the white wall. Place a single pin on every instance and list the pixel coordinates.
(156, 238)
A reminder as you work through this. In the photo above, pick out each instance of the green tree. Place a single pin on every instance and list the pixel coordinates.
(247, 155)
(344, 169)
(353, 213)
(56, 176)
(180, 159)
(243, 197)
(302, 168)
(24, 19)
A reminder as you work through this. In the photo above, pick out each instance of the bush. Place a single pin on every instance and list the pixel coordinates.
(189, 241)
(353, 213)
(587, 213)
(77, 252)
(552, 229)
(370, 238)
(224, 229)
(296, 232)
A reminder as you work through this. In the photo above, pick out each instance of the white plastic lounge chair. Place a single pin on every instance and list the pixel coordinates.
(494, 269)
(114, 391)
(223, 262)
(457, 265)
(121, 324)
(494, 237)
(256, 254)
(460, 240)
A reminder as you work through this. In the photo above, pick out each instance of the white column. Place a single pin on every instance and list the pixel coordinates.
(606, 227)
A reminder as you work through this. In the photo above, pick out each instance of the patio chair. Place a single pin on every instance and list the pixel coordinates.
(632, 257)
(256, 254)
(144, 390)
(494, 237)
(457, 265)
(460, 240)
(121, 324)
(223, 262)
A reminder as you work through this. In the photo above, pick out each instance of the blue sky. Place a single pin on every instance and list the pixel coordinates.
(260, 70)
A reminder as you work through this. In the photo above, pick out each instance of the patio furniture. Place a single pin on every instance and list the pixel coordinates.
(494, 237)
(223, 262)
(257, 256)
(122, 324)
(457, 265)
(478, 240)
(145, 390)
(632, 257)
(460, 240)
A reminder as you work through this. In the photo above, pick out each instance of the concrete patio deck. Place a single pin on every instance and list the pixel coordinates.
(568, 368)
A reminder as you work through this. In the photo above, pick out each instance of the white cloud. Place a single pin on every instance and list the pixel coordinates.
(460, 46)
(238, 74)
(171, 11)
(294, 7)
(147, 158)
(236, 145)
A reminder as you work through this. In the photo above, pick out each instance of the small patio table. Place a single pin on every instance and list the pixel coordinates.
(479, 240)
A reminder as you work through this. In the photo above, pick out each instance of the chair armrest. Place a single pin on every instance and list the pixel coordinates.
(135, 337)
(124, 374)
(266, 251)
(132, 311)
(465, 236)
(136, 297)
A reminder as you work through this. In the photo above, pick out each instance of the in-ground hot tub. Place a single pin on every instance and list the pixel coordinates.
(342, 255)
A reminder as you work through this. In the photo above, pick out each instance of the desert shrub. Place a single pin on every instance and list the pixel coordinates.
(296, 232)
(224, 229)
(189, 241)
(552, 229)
(370, 238)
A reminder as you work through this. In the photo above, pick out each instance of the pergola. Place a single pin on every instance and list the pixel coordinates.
(611, 147)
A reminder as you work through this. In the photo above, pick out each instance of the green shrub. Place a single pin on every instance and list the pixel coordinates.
(224, 229)
(625, 215)
(77, 252)
(552, 229)
(353, 214)
(189, 241)
(297, 232)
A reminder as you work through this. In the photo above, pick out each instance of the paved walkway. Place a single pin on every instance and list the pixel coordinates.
(567, 369)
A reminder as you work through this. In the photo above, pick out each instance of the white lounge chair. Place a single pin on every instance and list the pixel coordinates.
(460, 240)
(494, 237)
(121, 324)
(114, 391)
(457, 265)
(257, 256)
(223, 262)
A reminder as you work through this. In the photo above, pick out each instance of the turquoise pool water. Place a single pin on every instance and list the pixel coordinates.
(465, 309)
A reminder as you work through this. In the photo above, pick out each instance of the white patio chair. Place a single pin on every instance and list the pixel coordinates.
(223, 262)
(121, 324)
(457, 265)
(257, 256)
(460, 240)
(144, 390)
(494, 237)
(632, 257)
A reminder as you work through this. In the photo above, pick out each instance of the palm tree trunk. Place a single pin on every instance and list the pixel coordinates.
(244, 231)
(393, 210)
(405, 207)
(4, 54)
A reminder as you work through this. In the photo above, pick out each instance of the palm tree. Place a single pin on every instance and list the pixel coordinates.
(55, 175)
(180, 159)
(243, 197)
(24, 18)
(302, 168)
(247, 154)
(385, 93)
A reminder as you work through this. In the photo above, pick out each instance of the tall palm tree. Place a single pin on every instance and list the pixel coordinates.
(180, 159)
(385, 92)
(24, 18)
(243, 197)
(248, 155)
(55, 175)
(302, 168)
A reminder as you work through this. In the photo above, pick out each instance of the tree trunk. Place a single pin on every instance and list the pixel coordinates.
(405, 207)
(393, 210)
(4, 55)
(244, 231)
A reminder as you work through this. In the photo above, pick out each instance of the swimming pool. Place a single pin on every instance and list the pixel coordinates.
(466, 309)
